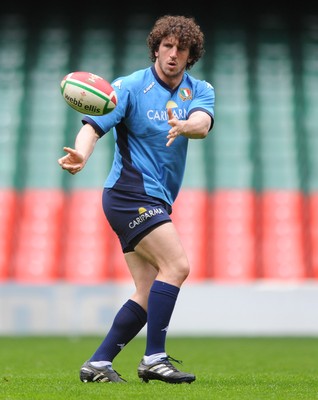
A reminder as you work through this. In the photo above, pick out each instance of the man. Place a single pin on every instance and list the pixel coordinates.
(159, 109)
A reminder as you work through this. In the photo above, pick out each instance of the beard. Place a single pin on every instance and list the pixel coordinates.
(171, 72)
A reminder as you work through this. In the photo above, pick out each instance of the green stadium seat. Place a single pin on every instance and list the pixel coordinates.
(278, 161)
(134, 50)
(309, 98)
(228, 175)
(13, 50)
(228, 156)
(96, 50)
(312, 164)
(284, 176)
(46, 112)
(198, 70)
(195, 175)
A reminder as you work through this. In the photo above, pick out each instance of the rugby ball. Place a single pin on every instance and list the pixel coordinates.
(88, 93)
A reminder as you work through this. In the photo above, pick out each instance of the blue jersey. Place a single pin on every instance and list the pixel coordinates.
(142, 161)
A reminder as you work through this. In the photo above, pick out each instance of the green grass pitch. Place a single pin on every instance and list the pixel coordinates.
(253, 368)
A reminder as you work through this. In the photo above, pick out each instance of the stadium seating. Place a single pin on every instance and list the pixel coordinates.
(247, 209)
(134, 47)
(312, 223)
(96, 51)
(229, 158)
(8, 216)
(309, 100)
(275, 108)
(232, 236)
(13, 48)
(282, 240)
(87, 252)
(39, 236)
(189, 214)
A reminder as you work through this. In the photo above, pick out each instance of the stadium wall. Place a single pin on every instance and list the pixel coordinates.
(206, 309)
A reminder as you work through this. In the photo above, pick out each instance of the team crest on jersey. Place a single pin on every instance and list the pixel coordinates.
(185, 94)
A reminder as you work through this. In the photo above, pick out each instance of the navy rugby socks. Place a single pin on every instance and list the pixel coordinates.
(161, 302)
(129, 320)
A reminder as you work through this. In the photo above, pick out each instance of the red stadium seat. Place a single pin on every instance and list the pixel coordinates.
(87, 246)
(232, 235)
(189, 214)
(39, 236)
(8, 219)
(282, 241)
(313, 233)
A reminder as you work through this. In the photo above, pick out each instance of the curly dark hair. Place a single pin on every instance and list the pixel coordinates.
(185, 29)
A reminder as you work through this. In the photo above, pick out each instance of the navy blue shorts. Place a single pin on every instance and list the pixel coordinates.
(133, 215)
